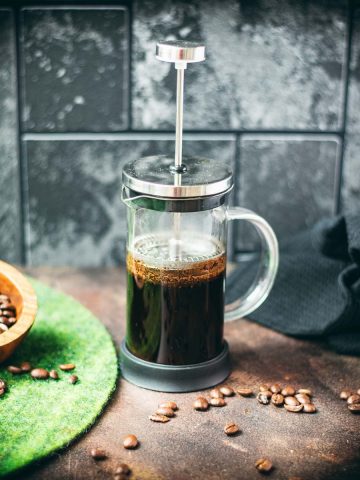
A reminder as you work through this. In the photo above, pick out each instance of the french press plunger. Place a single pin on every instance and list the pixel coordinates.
(177, 217)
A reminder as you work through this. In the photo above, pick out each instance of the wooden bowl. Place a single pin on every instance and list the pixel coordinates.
(22, 295)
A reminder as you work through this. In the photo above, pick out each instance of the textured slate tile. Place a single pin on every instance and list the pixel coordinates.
(75, 69)
(289, 180)
(270, 64)
(76, 216)
(351, 174)
(9, 175)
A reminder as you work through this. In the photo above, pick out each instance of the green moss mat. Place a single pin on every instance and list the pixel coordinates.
(39, 416)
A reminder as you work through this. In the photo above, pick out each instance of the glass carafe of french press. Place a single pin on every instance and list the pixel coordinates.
(176, 261)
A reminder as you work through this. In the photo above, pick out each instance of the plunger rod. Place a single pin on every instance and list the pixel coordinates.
(179, 113)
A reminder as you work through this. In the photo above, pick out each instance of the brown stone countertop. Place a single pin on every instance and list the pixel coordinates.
(193, 445)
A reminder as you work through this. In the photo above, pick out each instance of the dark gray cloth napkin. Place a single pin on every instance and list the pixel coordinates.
(317, 290)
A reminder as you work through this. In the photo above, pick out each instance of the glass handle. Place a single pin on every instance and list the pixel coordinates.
(269, 261)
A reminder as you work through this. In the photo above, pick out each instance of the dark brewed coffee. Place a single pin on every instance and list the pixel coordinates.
(175, 316)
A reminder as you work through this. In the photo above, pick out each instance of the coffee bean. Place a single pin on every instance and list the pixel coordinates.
(2, 392)
(217, 402)
(354, 408)
(345, 394)
(288, 391)
(158, 418)
(3, 384)
(98, 454)
(54, 374)
(244, 392)
(14, 370)
(302, 398)
(309, 408)
(294, 408)
(168, 412)
(305, 391)
(39, 373)
(171, 405)
(231, 428)
(131, 442)
(276, 388)
(8, 322)
(264, 388)
(25, 367)
(7, 313)
(355, 398)
(73, 379)
(263, 465)
(227, 391)
(123, 469)
(3, 328)
(291, 401)
(215, 393)
(67, 367)
(201, 404)
(277, 399)
(264, 397)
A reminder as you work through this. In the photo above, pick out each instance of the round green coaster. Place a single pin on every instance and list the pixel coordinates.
(38, 417)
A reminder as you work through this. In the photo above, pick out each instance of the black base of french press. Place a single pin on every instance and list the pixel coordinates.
(174, 378)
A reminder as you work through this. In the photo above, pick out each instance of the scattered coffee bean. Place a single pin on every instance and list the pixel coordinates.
(264, 465)
(3, 328)
(14, 370)
(158, 418)
(227, 391)
(288, 391)
(302, 398)
(25, 367)
(123, 469)
(168, 412)
(294, 408)
(3, 384)
(345, 394)
(354, 408)
(264, 397)
(39, 373)
(244, 392)
(277, 399)
(98, 454)
(276, 388)
(291, 401)
(355, 398)
(73, 379)
(215, 393)
(171, 405)
(217, 402)
(2, 392)
(54, 374)
(231, 428)
(309, 408)
(131, 442)
(264, 388)
(66, 367)
(201, 404)
(305, 391)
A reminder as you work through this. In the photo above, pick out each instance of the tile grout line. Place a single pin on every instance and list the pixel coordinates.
(341, 156)
(130, 64)
(21, 170)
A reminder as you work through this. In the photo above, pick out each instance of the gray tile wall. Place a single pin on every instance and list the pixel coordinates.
(81, 93)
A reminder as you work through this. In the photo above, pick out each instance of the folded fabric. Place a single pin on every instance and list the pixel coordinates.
(317, 290)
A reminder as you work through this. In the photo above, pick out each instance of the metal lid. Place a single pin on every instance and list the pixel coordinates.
(180, 51)
(157, 177)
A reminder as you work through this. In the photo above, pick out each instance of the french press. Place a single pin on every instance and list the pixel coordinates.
(177, 218)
